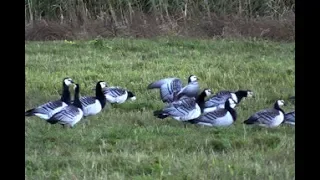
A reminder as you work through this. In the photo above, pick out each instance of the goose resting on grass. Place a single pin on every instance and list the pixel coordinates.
(219, 99)
(171, 87)
(71, 114)
(220, 117)
(184, 109)
(268, 117)
(118, 95)
(48, 109)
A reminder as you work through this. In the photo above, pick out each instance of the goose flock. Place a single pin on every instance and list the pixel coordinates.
(181, 102)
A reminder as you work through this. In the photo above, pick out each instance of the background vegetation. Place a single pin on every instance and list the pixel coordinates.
(83, 19)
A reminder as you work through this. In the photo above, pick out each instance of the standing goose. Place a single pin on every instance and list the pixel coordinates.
(170, 87)
(268, 117)
(92, 105)
(48, 109)
(118, 95)
(219, 117)
(219, 99)
(289, 118)
(184, 109)
(71, 114)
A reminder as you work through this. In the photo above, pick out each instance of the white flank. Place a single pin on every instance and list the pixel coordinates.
(77, 118)
(277, 120)
(92, 109)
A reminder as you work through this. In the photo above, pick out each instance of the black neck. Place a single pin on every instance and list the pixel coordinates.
(76, 101)
(100, 96)
(66, 95)
(200, 100)
(231, 110)
(240, 94)
(277, 107)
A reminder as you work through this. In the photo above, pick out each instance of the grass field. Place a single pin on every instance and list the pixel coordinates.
(127, 142)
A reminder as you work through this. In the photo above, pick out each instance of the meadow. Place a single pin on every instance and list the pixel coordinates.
(126, 142)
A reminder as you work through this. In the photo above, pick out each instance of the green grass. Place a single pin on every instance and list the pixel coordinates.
(127, 142)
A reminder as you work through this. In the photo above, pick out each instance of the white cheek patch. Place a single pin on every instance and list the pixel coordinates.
(103, 85)
(208, 92)
(280, 103)
(133, 98)
(193, 78)
(67, 82)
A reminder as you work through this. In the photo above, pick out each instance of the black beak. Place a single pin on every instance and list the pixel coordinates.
(72, 82)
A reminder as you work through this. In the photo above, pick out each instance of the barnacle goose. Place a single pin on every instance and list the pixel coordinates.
(92, 105)
(219, 99)
(272, 117)
(289, 118)
(169, 87)
(184, 109)
(118, 95)
(46, 110)
(71, 114)
(219, 117)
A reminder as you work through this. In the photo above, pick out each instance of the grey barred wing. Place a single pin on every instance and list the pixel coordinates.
(266, 116)
(48, 107)
(66, 116)
(176, 85)
(224, 93)
(114, 91)
(216, 101)
(168, 90)
(211, 117)
(159, 83)
(214, 114)
(85, 101)
(180, 108)
(290, 116)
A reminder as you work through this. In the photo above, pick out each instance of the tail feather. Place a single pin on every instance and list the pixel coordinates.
(249, 121)
(193, 121)
(52, 121)
(155, 85)
(160, 114)
(29, 112)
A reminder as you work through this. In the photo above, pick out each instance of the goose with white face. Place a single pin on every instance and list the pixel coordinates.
(93, 105)
(172, 89)
(47, 110)
(219, 117)
(193, 78)
(272, 117)
(208, 92)
(103, 84)
(68, 81)
(280, 102)
(250, 94)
